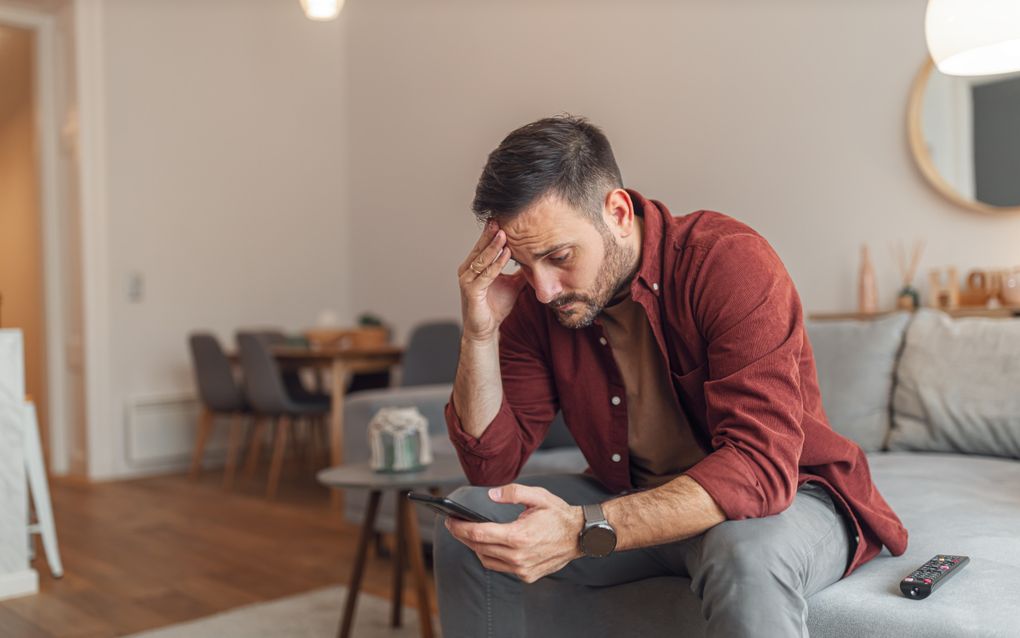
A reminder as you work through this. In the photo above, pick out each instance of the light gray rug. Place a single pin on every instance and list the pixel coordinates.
(315, 614)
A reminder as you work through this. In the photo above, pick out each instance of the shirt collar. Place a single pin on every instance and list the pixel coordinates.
(655, 215)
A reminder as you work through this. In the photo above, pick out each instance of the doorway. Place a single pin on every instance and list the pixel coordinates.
(40, 220)
(22, 303)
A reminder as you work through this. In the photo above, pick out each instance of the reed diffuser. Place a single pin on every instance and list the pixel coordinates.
(908, 297)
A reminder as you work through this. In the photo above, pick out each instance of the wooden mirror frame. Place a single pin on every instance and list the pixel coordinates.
(920, 150)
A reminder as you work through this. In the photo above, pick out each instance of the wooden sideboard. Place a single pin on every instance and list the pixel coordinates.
(1003, 312)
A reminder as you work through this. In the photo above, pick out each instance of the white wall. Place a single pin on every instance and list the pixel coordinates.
(788, 114)
(225, 185)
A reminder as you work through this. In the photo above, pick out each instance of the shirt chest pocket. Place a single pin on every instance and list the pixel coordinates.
(691, 393)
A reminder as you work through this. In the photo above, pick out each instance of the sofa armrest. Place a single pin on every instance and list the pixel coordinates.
(360, 407)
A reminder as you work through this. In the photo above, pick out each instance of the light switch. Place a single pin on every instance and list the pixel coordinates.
(136, 287)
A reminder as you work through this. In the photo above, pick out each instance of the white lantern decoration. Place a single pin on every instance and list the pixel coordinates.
(399, 439)
(974, 37)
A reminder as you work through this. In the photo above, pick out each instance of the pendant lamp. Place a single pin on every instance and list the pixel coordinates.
(974, 37)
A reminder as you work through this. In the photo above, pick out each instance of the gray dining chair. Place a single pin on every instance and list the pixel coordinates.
(296, 388)
(266, 392)
(431, 354)
(220, 395)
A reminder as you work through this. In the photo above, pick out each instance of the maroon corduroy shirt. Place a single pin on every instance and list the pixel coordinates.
(730, 329)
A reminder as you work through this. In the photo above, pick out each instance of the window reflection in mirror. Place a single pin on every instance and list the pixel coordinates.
(965, 134)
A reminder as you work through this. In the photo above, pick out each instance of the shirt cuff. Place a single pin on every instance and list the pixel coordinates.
(497, 438)
(725, 475)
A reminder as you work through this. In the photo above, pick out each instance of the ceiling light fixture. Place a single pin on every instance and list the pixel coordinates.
(322, 10)
(974, 37)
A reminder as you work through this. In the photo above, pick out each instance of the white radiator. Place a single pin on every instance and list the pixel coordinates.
(161, 432)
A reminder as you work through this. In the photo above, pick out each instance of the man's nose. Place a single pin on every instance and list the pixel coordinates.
(546, 287)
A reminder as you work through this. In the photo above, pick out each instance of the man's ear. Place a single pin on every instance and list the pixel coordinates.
(619, 212)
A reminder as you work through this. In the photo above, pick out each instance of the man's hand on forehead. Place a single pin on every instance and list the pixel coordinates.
(487, 294)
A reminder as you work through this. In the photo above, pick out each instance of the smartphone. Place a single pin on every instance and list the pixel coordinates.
(445, 506)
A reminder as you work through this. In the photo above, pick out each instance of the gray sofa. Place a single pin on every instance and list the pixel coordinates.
(936, 404)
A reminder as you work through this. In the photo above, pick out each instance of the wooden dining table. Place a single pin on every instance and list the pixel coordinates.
(341, 362)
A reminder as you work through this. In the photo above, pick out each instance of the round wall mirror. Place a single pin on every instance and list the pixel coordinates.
(965, 136)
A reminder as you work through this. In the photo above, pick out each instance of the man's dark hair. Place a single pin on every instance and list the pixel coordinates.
(564, 156)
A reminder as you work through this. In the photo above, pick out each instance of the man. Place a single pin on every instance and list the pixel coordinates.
(675, 348)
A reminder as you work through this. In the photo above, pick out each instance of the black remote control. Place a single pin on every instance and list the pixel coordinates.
(930, 576)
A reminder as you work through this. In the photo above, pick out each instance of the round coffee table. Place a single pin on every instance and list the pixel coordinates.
(444, 470)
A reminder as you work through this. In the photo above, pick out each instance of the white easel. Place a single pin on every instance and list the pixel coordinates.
(40, 491)
(19, 408)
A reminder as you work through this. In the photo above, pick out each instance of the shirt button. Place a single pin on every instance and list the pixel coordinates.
(616, 458)
(603, 341)
(655, 287)
(615, 400)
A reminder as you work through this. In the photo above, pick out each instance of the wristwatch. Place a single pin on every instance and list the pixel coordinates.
(597, 538)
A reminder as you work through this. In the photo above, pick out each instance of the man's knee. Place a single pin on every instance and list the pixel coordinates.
(452, 559)
(743, 558)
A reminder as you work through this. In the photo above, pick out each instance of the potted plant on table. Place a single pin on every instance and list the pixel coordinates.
(371, 332)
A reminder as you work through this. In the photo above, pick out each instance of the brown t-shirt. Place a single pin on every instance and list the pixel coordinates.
(662, 444)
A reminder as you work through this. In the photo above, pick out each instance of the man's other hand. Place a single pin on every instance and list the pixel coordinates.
(542, 540)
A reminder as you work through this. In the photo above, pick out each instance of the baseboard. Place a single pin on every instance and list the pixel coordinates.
(21, 583)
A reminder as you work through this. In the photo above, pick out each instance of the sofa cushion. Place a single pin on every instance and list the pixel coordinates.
(958, 386)
(855, 361)
(950, 503)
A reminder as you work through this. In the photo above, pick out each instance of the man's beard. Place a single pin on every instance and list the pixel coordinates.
(614, 275)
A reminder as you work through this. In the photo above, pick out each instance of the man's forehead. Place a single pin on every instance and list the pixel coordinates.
(546, 220)
(537, 236)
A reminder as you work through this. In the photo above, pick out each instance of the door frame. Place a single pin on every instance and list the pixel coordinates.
(47, 136)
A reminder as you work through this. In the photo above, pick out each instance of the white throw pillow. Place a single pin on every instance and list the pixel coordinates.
(958, 386)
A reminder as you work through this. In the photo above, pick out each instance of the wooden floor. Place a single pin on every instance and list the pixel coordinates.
(148, 553)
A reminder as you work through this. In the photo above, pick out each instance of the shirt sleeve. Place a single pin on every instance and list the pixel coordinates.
(751, 317)
(529, 405)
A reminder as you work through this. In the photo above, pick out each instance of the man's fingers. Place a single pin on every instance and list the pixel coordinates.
(502, 553)
(493, 269)
(526, 495)
(496, 565)
(482, 533)
(494, 264)
(488, 233)
(493, 252)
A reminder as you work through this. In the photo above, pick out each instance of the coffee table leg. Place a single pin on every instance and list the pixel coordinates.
(398, 564)
(336, 423)
(347, 620)
(421, 580)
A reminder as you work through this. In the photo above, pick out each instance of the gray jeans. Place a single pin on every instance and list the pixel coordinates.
(752, 576)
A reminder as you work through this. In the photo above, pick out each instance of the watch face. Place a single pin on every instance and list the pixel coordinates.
(598, 541)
